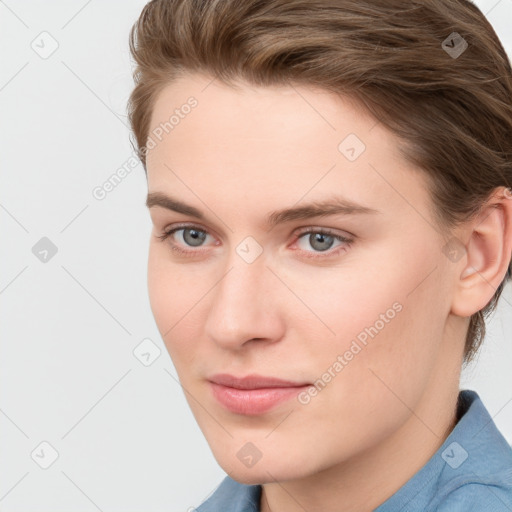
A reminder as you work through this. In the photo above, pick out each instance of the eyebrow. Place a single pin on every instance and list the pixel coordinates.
(331, 206)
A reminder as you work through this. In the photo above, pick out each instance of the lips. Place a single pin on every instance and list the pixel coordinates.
(254, 381)
(253, 394)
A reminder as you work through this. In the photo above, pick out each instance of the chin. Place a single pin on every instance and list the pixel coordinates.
(251, 476)
(278, 468)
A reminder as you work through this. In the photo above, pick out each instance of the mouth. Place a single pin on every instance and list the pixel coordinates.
(253, 394)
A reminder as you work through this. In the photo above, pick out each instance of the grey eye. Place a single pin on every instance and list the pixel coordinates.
(320, 241)
(193, 237)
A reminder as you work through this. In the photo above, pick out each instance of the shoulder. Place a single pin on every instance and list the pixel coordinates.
(479, 494)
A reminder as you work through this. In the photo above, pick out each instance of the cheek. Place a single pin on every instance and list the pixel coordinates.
(159, 290)
(178, 303)
(385, 327)
(168, 296)
(396, 364)
(368, 395)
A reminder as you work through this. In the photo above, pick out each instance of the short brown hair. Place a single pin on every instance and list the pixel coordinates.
(453, 114)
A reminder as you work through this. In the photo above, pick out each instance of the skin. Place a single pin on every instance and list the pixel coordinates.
(243, 153)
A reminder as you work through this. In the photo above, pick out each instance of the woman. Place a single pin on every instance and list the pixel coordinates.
(328, 183)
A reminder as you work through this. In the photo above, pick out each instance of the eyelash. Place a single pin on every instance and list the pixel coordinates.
(299, 235)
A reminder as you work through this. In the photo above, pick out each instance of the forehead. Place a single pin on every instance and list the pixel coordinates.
(242, 117)
(282, 142)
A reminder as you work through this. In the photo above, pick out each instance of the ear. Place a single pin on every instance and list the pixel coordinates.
(488, 253)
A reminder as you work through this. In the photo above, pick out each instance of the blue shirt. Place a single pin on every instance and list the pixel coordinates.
(471, 472)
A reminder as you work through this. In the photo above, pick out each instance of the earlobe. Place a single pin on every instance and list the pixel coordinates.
(488, 254)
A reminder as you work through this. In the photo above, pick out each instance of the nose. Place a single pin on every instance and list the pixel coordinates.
(244, 306)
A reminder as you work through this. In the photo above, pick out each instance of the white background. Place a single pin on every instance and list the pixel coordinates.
(125, 437)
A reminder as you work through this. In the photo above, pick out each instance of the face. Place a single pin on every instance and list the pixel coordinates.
(347, 306)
